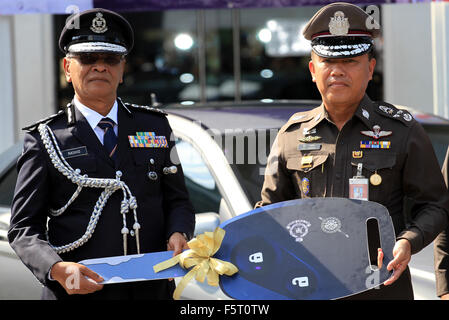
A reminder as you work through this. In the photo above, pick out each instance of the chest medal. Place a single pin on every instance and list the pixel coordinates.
(375, 179)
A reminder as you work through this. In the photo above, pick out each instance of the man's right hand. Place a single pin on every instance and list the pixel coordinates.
(76, 278)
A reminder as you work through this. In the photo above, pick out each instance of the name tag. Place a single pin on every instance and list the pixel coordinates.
(75, 152)
(358, 186)
(358, 189)
(309, 146)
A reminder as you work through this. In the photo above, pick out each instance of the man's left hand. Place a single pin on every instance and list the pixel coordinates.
(177, 242)
(402, 254)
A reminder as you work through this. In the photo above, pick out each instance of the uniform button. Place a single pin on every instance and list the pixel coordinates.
(338, 176)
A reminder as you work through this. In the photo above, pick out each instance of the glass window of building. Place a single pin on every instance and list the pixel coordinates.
(192, 56)
(274, 55)
(163, 60)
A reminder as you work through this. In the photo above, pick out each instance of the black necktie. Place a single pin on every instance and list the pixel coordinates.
(110, 139)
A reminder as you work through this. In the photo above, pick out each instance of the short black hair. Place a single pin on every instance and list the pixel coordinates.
(372, 54)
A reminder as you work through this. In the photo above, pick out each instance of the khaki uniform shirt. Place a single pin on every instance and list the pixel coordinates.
(312, 158)
(441, 247)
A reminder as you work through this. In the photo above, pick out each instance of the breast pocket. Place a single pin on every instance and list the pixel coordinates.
(378, 167)
(149, 163)
(309, 179)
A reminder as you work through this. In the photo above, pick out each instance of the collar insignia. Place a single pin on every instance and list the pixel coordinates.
(365, 113)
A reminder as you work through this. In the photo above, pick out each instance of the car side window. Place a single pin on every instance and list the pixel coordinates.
(200, 183)
(440, 141)
(7, 186)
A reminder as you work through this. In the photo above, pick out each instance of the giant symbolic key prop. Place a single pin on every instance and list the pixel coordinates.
(300, 249)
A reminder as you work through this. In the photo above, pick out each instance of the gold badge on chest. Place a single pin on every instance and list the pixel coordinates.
(375, 179)
(309, 139)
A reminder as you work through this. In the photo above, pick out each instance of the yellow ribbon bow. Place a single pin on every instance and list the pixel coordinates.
(199, 256)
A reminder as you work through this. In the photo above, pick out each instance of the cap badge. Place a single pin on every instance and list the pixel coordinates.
(339, 25)
(99, 24)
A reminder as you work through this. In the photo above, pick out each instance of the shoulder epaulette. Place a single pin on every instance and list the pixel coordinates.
(45, 120)
(298, 117)
(391, 111)
(146, 108)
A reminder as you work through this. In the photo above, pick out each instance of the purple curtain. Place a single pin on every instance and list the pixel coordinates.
(136, 5)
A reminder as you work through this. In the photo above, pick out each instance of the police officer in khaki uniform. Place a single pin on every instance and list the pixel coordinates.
(441, 249)
(353, 147)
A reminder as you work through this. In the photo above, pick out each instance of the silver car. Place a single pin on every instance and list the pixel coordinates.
(223, 148)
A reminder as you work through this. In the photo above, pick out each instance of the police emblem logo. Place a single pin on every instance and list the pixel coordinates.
(331, 225)
(99, 24)
(339, 25)
(298, 229)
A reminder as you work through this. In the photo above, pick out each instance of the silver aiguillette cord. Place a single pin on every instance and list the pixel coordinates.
(82, 181)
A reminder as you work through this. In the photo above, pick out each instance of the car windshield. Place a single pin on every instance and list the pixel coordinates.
(248, 158)
(7, 185)
(251, 172)
(439, 135)
(8, 173)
